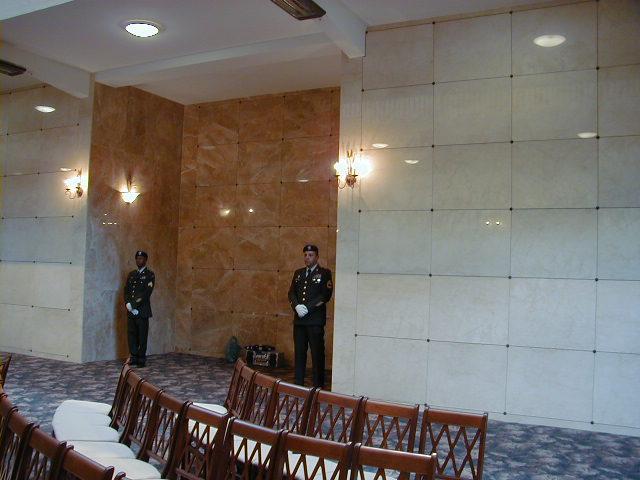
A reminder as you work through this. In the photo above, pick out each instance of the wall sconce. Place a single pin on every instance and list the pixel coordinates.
(73, 186)
(129, 195)
(348, 170)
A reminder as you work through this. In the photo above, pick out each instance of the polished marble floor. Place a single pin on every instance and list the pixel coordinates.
(514, 451)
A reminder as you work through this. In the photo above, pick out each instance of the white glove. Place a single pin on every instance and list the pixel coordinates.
(129, 307)
(134, 311)
(301, 310)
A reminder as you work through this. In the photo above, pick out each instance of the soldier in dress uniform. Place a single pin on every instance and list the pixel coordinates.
(137, 298)
(310, 290)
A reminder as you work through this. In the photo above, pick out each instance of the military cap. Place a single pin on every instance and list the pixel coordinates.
(310, 248)
(140, 253)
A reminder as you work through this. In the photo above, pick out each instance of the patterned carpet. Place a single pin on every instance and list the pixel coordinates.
(514, 451)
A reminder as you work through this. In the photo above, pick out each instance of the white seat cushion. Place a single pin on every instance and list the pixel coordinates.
(103, 449)
(135, 469)
(212, 406)
(66, 416)
(76, 430)
(85, 406)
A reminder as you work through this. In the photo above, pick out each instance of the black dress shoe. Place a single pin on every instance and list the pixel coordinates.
(133, 362)
(141, 364)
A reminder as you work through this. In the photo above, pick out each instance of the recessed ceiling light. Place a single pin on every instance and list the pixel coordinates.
(45, 108)
(251, 210)
(587, 134)
(142, 28)
(412, 162)
(225, 212)
(549, 40)
(379, 145)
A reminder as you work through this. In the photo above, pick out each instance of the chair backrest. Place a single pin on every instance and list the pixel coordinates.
(458, 439)
(233, 384)
(160, 444)
(126, 401)
(334, 417)
(308, 458)
(14, 438)
(388, 425)
(42, 457)
(259, 404)
(199, 440)
(4, 368)
(76, 466)
(250, 452)
(144, 414)
(379, 464)
(243, 388)
(117, 397)
(291, 407)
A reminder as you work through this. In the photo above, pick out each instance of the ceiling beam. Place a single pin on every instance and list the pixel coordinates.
(344, 27)
(177, 67)
(15, 8)
(71, 80)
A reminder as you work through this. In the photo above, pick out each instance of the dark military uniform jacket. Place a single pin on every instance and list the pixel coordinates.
(138, 291)
(313, 292)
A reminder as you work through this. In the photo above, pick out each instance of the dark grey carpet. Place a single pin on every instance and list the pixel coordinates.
(514, 451)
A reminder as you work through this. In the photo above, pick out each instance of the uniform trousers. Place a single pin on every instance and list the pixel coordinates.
(309, 336)
(137, 332)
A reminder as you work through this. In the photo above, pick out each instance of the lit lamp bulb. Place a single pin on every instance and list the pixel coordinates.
(129, 195)
(73, 186)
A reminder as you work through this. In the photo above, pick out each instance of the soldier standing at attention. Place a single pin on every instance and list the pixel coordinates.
(310, 290)
(137, 298)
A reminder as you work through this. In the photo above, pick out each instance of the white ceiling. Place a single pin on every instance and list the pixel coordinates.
(209, 49)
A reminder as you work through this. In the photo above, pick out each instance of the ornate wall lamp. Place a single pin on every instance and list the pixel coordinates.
(350, 168)
(73, 186)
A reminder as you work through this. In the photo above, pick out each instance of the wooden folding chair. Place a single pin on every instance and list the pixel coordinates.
(144, 414)
(160, 443)
(307, 458)
(388, 425)
(4, 368)
(380, 464)
(14, 437)
(291, 407)
(233, 384)
(78, 467)
(42, 457)
(198, 442)
(126, 403)
(259, 404)
(458, 439)
(249, 452)
(243, 388)
(335, 417)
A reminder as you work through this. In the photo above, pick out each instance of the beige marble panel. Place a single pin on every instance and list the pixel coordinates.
(618, 32)
(550, 383)
(618, 245)
(554, 243)
(399, 57)
(394, 242)
(473, 48)
(472, 176)
(473, 111)
(469, 309)
(577, 23)
(616, 389)
(471, 242)
(618, 316)
(395, 306)
(552, 313)
(398, 117)
(456, 370)
(619, 172)
(555, 174)
(554, 105)
(400, 179)
(619, 101)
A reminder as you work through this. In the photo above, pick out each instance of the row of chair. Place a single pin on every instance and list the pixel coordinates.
(145, 420)
(4, 367)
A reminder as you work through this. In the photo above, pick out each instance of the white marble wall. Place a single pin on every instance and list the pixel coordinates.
(501, 271)
(42, 232)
